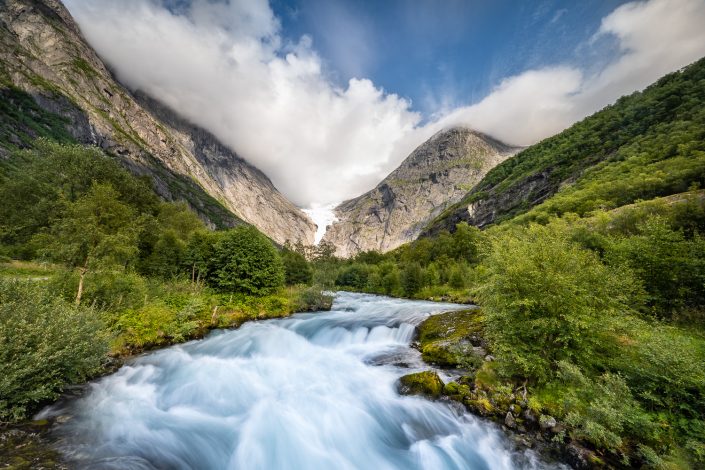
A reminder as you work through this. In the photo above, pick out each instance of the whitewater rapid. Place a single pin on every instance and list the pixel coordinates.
(313, 391)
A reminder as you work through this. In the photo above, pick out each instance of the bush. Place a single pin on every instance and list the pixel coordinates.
(45, 344)
(160, 323)
(105, 290)
(354, 276)
(246, 261)
(297, 269)
(546, 300)
(671, 267)
(312, 299)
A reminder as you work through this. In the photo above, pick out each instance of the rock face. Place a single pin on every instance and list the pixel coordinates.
(43, 54)
(436, 175)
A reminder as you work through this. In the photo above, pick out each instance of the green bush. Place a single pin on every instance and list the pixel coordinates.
(45, 344)
(354, 276)
(246, 261)
(297, 269)
(546, 300)
(671, 267)
(312, 299)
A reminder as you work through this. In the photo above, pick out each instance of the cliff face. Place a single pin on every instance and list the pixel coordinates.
(436, 175)
(43, 54)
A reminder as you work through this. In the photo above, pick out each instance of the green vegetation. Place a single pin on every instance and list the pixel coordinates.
(93, 263)
(646, 145)
(438, 270)
(421, 383)
(22, 121)
(591, 327)
(46, 343)
(246, 261)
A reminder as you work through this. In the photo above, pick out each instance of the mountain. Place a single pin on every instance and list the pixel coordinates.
(53, 84)
(646, 145)
(437, 174)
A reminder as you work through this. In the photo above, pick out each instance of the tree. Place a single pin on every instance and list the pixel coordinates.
(38, 184)
(246, 261)
(97, 231)
(297, 269)
(467, 242)
(412, 279)
(547, 300)
(354, 276)
(200, 253)
(166, 245)
(670, 266)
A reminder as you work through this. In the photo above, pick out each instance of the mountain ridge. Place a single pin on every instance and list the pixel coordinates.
(562, 173)
(436, 174)
(45, 55)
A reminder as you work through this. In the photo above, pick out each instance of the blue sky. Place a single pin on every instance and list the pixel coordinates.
(445, 53)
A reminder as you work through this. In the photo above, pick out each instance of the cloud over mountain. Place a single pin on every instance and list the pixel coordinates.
(225, 65)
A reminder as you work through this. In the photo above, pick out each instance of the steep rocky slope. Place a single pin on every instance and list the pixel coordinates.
(43, 55)
(648, 144)
(437, 174)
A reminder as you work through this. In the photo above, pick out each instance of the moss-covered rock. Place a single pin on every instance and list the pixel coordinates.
(453, 339)
(425, 383)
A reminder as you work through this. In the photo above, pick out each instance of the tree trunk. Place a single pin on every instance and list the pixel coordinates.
(82, 273)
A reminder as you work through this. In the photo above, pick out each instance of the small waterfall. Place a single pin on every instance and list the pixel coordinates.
(313, 391)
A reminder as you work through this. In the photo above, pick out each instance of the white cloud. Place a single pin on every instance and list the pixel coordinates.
(655, 37)
(225, 66)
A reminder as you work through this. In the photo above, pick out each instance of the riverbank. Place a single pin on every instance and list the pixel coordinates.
(285, 380)
(454, 345)
(170, 318)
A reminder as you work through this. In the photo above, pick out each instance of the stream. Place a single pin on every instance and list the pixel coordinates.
(311, 391)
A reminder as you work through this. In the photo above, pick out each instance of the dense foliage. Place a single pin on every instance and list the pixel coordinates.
(45, 344)
(127, 269)
(648, 144)
(246, 261)
(548, 300)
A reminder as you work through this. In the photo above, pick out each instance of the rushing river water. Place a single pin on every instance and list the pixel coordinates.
(313, 391)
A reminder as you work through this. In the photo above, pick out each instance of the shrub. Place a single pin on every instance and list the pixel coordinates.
(45, 344)
(246, 261)
(312, 299)
(297, 269)
(546, 299)
(671, 267)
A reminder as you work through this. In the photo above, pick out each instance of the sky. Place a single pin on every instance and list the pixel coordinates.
(328, 96)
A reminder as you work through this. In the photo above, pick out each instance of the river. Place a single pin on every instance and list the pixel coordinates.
(312, 391)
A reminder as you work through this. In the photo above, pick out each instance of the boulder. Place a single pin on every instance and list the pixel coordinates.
(426, 383)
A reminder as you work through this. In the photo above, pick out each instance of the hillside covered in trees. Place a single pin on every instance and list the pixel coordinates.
(646, 145)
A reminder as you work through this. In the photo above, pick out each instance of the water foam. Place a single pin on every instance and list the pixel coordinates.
(296, 393)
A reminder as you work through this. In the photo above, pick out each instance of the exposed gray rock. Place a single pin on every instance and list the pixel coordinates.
(436, 175)
(43, 53)
(547, 422)
(509, 420)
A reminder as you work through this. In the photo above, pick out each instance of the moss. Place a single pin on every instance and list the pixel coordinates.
(482, 405)
(425, 383)
(447, 339)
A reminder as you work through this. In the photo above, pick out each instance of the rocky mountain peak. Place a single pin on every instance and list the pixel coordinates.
(434, 176)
